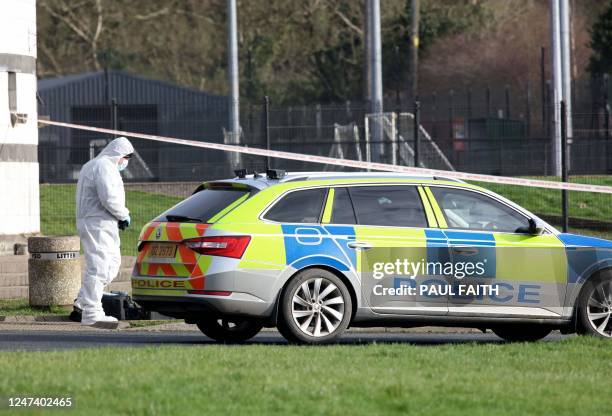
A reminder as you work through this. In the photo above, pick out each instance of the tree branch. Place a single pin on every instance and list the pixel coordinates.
(152, 15)
(54, 64)
(67, 22)
(348, 22)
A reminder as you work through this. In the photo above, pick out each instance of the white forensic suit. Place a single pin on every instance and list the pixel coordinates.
(100, 201)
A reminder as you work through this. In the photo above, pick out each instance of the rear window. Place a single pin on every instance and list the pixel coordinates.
(397, 206)
(299, 207)
(204, 205)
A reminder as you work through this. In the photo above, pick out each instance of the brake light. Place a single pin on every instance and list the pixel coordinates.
(225, 246)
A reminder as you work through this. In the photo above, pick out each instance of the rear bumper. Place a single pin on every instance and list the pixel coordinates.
(254, 292)
(192, 306)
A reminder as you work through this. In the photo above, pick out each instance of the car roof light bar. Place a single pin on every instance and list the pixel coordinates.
(240, 173)
(275, 174)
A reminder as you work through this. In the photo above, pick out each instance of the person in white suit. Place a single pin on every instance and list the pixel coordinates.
(101, 212)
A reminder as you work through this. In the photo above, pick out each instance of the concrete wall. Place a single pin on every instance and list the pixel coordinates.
(19, 194)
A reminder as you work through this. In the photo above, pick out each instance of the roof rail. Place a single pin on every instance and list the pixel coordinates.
(305, 176)
(442, 178)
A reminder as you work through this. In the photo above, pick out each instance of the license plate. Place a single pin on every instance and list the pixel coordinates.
(163, 250)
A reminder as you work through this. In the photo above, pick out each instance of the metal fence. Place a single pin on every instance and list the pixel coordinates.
(495, 132)
(473, 138)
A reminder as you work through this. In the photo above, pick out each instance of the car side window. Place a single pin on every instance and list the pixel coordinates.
(342, 212)
(473, 211)
(392, 205)
(299, 207)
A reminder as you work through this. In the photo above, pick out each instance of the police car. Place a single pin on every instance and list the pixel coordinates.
(316, 252)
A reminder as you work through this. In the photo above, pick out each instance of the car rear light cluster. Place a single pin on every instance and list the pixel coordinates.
(225, 246)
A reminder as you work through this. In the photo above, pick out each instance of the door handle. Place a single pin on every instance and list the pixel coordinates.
(359, 245)
(468, 251)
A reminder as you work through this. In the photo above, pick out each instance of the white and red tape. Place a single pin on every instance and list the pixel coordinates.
(347, 162)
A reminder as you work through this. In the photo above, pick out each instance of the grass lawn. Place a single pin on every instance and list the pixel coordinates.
(58, 207)
(546, 378)
(12, 307)
(589, 205)
(57, 212)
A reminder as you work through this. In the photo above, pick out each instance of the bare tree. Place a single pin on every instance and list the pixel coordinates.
(86, 22)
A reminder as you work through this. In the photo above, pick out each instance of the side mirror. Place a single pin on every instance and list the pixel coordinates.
(533, 227)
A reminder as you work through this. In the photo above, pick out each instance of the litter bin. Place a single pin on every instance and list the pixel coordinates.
(54, 270)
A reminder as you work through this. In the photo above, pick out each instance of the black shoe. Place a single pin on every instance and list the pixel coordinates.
(75, 315)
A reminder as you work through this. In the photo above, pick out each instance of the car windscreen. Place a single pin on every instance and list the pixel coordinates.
(204, 205)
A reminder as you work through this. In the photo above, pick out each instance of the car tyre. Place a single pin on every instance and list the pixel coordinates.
(522, 333)
(229, 330)
(595, 307)
(315, 308)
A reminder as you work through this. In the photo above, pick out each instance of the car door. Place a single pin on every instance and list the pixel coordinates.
(528, 271)
(391, 222)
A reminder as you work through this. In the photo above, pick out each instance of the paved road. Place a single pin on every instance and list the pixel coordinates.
(55, 340)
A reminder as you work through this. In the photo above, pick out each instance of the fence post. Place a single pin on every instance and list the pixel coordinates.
(417, 123)
(398, 150)
(114, 121)
(319, 123)
(469, 113)
(564, 166)
(469, 105)
(394, 136)
(451, 93)
(434, 119)
(543, 88)
(606, 108)
(607, 122)
(266, 120)
(507, 92)
(549, 107)
(528, 111)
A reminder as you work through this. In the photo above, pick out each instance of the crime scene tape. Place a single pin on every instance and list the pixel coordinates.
(506, 180)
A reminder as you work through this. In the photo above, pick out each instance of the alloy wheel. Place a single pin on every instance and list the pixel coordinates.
(318, 307)
(599, 308)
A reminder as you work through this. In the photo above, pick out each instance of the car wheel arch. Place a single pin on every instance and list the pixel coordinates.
(595, 274)
(583, 286)
(338, 273)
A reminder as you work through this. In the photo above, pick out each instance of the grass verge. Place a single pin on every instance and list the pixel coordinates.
(585, 205)
(548, 201)
(560, 378)
(12, 307)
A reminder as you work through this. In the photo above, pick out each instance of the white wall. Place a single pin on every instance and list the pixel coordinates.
(19, 188)
(18, 27)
